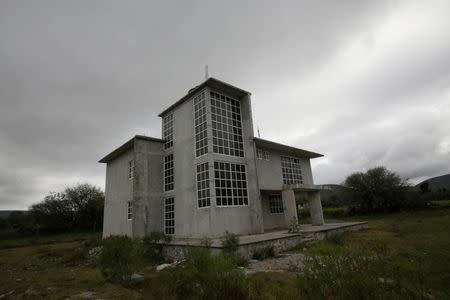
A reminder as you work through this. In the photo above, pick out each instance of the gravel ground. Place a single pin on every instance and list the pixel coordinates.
(290, 262)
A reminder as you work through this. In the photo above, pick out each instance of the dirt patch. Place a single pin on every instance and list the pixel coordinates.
(289, 262)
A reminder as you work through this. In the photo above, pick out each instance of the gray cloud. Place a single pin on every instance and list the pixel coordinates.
(364, 82)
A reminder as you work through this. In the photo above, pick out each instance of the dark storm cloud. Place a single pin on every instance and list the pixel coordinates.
(364, 82)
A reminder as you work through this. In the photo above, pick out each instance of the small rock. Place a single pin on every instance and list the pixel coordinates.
(30, 292)
(136, 278)
(428, 296)
(18, 279)
(252, 261)
(86, 295)
(52, 289)
(95, 252)
(162, 267)
(2, 296)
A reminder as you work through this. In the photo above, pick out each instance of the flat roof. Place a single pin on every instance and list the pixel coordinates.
(285, 148)
(127, 146)
(210, 82)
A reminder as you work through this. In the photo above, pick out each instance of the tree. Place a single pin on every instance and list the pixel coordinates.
(424, 187)
(378, 189)
(76, 208)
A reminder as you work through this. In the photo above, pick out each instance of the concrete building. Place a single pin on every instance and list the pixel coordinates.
(208, 174)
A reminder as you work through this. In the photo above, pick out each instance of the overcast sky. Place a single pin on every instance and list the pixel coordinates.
(366, 83)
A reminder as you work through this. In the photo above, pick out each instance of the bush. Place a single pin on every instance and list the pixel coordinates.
(3, 224)
(202, 276)
(337, 238)
(153, 246)
(264, 253)
(230, 242)
(117, 258)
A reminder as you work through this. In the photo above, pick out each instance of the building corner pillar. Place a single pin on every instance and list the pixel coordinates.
(289, 206)
(315, 209)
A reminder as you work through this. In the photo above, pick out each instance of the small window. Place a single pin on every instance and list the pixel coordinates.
(259, 153)
(130, 211)
(276, 204)
(262, 154)
(130, 169)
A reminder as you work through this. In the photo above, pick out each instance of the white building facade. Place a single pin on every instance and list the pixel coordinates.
(207, 174)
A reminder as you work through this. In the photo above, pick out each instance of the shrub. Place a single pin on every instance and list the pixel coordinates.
(230, 242)
(117, 258)
(202, 276)
(294, 226)
(153, 246)
(264, 253)
(337, 238)
(346, 276)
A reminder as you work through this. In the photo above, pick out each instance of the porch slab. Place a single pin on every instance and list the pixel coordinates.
(280, 240)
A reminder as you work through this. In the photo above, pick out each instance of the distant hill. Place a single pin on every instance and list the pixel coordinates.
(5, 213)
(438, 183)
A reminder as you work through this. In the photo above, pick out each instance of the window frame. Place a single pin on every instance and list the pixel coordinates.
(167, 174)
(130, 169)
(206, 200)
(288, 173)
(199, 103)
(226, 125)
(245, 199)
(130, 211)
(167, 130)
(276, 204)
(169, 229)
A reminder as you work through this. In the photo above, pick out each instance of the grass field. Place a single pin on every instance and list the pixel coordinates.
(414, 248)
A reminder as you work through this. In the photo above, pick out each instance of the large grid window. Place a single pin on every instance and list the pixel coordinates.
(168, 172)
(291, 169)
(231, 184)
(169, 215)
(275, 204)
(226, 125)
(201, 141)
(203, 193)
(129, 210)
(168, 130)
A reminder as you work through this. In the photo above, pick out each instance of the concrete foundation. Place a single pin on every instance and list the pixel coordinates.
(280, 240)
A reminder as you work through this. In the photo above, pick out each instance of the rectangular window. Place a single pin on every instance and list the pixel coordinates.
(201, 141)
(168, 173)
(168, 130)
(262, 154)
(129, 210)
(169, 216)
(291, 169)
(226, 125)
(275, 204)
(230, 183)
(203, 193)
(130, 169)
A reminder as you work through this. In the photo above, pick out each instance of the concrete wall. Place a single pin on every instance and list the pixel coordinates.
(118, 191)
(271, 221)
(148, 187)
(270, 176)
(184, 175)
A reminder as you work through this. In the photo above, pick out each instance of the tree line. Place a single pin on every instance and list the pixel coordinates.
(378, 190)
(78, 208)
